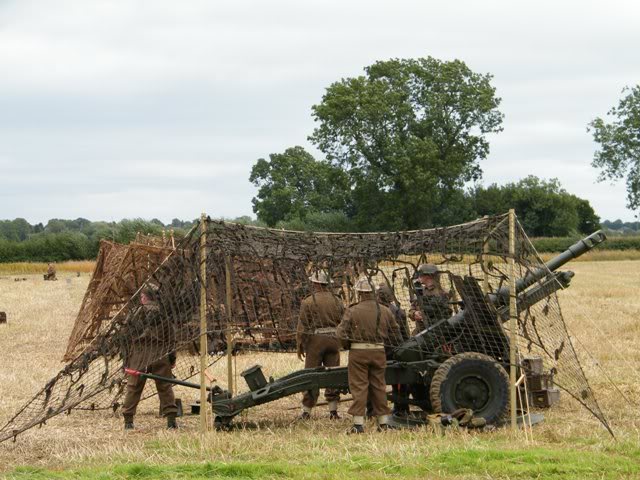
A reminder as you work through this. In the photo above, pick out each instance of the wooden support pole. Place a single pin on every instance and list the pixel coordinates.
(485, 265)
(513, 317)
(229, 332)
(203, 324)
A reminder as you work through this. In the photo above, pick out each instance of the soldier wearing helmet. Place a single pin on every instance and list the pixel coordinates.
(432, 302)
(320, 314)
(365, 328)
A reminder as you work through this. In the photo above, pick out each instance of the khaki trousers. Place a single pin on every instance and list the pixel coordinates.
(135, 386)
(321, 351)
(366, 379)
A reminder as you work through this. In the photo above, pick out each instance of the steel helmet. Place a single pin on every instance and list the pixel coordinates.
(364, 284)
(427, 269)
(320, 276)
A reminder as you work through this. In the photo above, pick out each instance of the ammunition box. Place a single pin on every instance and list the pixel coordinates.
(546, 398)
(539, 382)
(254, 377)
(533, 365)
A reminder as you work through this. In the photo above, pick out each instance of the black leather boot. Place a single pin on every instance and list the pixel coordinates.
(128, 423)
(356, 429)
(171, 421)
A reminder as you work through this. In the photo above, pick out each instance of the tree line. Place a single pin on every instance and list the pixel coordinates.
(401, 149)
(79, 239)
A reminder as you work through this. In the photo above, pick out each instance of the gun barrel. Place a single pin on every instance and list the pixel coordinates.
(415, 347)
(574, 251)
(577, 249)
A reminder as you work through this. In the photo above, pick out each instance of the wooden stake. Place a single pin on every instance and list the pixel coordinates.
(485, 265)
(513, 316)
(227, 268)
(203, 324)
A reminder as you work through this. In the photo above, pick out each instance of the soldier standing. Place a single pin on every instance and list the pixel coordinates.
(316, 339)
(366, 327)
(153, 337)
(400, 392)
(432, 302)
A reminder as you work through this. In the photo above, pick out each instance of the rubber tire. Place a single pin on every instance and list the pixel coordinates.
(474, 364)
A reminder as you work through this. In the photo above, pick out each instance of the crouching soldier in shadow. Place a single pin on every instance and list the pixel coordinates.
(365, 329)
(51, 272)
(400, 393)
(152, 336)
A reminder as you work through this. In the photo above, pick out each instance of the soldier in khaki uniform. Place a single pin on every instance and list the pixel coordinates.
(51, 272)
(154, 336)
(432, 302)
(316, 339)
(366, 327)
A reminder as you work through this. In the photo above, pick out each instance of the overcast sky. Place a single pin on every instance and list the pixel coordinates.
(120, 109)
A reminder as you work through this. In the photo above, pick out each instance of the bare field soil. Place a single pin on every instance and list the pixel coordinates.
(602, 309)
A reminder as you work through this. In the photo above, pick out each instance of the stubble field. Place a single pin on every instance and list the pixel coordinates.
(602, 309)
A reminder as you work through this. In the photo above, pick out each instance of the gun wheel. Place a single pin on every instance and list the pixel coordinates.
(471, 380)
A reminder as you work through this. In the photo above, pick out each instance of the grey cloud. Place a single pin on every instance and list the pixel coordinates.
(158, 109)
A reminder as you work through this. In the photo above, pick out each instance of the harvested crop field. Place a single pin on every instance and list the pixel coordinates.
(602, 309)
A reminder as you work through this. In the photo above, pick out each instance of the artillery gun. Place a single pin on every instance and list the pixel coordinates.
(438, 381)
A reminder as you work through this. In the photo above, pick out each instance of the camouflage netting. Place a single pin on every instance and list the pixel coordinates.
(119, 272)
(269, 272)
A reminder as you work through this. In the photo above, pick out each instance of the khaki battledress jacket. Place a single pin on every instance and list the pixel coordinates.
(369, 322)
(321, 310)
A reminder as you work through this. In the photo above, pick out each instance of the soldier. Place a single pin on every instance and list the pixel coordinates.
(51, 272)
(400, 393)
(432, 302)
(154, 336)
(365, 328)
(316, 339)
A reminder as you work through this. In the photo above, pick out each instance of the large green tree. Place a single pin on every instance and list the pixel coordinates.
(409, 133)
(619, 140)
(293, 184)
(544, 208)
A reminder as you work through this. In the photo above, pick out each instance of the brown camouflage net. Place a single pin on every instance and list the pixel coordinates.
(269, 279)
(120, 271)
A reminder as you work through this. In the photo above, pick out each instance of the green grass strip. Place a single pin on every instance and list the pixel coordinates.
(456, 463)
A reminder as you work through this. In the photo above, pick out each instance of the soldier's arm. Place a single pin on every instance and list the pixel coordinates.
(395, 334)
(344, 331)
(302, 328)
(415, 312)
(404, 326)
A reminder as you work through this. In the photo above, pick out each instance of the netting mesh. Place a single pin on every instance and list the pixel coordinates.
(119, 272)
(269, 271)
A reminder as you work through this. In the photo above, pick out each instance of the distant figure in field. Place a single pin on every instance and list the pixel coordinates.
(51, 272)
